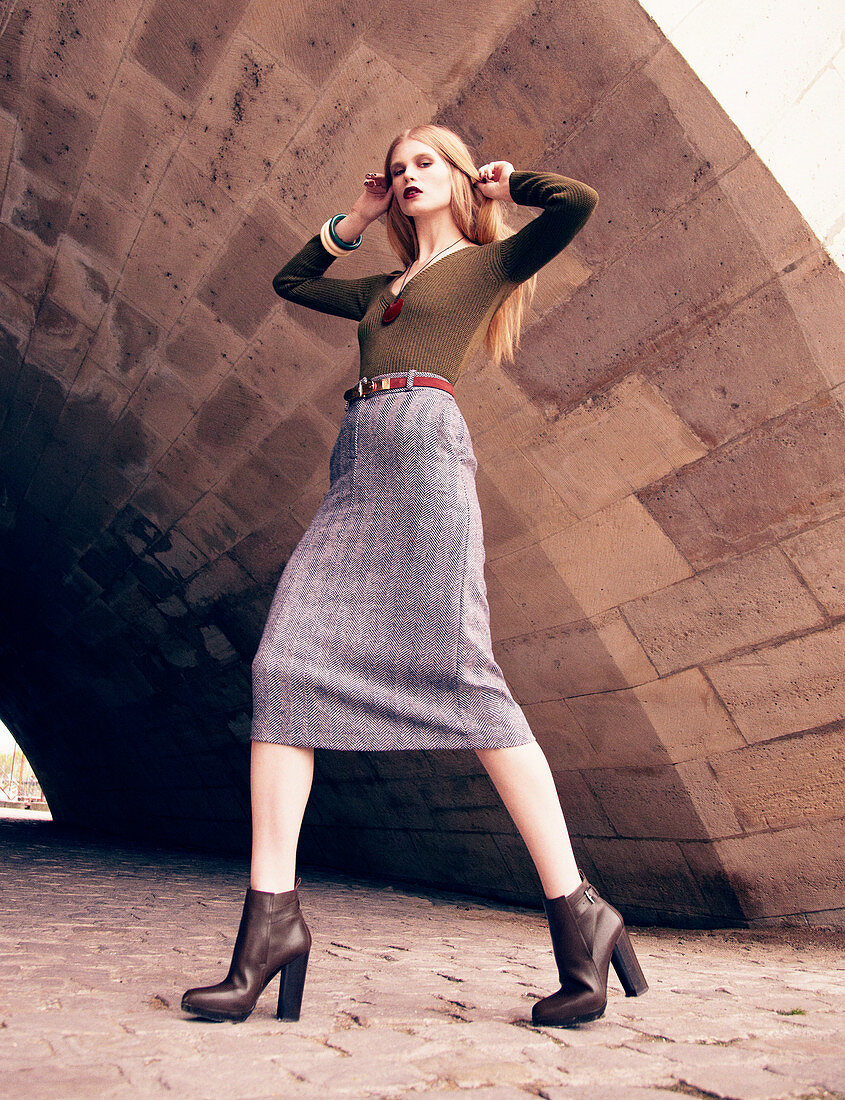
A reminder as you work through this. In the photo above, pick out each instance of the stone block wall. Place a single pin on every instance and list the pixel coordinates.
(661, 471)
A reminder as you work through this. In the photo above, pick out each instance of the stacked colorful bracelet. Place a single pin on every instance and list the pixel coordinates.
(332, 243)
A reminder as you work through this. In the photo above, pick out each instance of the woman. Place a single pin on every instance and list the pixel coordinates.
(378, 636)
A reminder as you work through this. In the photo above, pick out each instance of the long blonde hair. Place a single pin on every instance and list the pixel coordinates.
(477, 217)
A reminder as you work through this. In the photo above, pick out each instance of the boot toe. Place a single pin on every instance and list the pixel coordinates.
(192, 1001)
(562, 1010)
(203, 1002)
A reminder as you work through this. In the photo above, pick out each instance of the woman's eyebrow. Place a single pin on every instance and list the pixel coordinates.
(398, 163)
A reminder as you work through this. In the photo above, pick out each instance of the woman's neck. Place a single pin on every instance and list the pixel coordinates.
(435, 232)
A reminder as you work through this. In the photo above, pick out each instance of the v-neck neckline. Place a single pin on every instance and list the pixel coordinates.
(388, 291)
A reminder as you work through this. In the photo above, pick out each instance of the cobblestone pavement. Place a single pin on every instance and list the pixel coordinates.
(407, 993)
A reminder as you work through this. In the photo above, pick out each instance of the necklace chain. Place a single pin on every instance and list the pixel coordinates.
(424, 266)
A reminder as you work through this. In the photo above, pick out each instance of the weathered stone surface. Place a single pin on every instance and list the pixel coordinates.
(57, 136)
(786, 781)
(789, 687)
(80, 287)
(660, 466)
(406, 992)
(653, 799)
(239, 288)
(816, 293)
(507, 618)
(25, 266)
(819, 555)
(125, 342)
(530, 582)
(614, 555)
(141, 127)
(648, 876)
(587, 656)
(179, 61)
(202, 349)
(640, 725)
(164, 402)
(102, 223)
(741, 369)
(612, 444)
(783, 477)
(78, 48)
(801, 872)
(166, 264)
(717, 813)
(497, 411)
(59, 341)
(733, 605)
(15, 52)
(456, 44)
(35, 208)
(250, 110)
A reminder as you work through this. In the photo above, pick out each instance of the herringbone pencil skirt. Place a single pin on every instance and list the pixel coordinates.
(378, 635)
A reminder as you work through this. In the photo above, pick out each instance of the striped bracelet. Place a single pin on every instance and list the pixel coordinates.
(328, 243)
(332, 242)
(348, 245)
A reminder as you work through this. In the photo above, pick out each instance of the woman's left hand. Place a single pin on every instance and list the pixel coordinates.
(493, 181)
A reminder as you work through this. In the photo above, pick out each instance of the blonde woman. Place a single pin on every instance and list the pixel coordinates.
(378, 636)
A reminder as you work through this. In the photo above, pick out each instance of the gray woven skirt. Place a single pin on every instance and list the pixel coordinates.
(378, 636)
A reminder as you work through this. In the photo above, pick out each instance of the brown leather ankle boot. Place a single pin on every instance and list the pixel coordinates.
(587, 935)
(272, 937)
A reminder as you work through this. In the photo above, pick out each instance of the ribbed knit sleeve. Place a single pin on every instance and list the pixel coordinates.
(302, 280)
(567, 204)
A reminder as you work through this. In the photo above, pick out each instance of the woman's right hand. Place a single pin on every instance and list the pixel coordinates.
(376, 198)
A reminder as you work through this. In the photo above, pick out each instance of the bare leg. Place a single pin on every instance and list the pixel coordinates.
(280, 782)
(524, 780)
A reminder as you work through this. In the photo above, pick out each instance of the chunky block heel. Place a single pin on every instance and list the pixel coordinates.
(290, 988)
(627, 968)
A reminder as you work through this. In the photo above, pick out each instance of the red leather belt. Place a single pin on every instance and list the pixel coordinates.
(367, 387)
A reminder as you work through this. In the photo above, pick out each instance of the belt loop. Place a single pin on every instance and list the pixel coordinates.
(410, 379)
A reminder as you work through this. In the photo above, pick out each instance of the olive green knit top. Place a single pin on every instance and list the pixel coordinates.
(447, 306)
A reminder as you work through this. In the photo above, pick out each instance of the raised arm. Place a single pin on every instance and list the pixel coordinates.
(567, 204)
(301, 280)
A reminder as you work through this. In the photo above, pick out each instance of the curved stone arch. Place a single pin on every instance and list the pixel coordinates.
(660, 472)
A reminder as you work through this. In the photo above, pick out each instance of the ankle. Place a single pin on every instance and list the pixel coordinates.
(564, 888)
(272, 884)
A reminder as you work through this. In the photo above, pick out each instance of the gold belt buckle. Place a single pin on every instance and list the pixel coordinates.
(367, 386)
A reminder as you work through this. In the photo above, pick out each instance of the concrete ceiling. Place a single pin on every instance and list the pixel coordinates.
(661, 473)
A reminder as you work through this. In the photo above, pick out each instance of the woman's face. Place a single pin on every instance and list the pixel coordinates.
(415, 164)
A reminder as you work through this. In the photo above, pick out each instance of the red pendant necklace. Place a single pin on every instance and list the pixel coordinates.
(393, 310)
